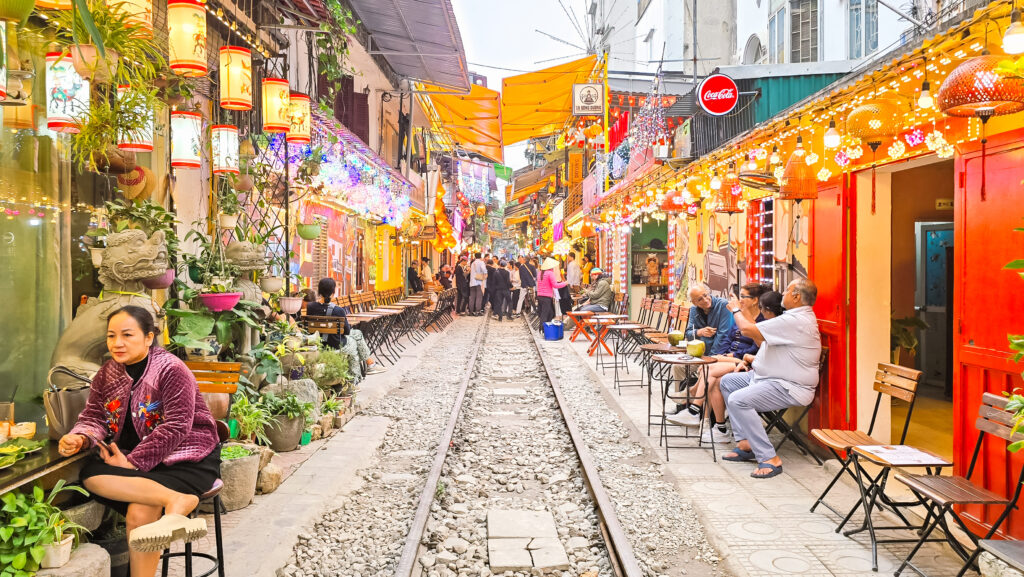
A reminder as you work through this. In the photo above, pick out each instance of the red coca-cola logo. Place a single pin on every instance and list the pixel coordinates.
(718, 94)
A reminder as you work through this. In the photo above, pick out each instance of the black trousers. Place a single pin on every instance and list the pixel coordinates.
(462, 300)
(545, 309)
(499, 303)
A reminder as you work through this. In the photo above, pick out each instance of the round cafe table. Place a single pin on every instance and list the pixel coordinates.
(664, 363)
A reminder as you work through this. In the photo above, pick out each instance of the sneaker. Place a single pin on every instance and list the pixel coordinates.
(721, 437)
(685, 418)
(675, 410)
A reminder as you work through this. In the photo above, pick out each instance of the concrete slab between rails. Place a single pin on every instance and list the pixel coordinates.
(263, 535)
(760, 527)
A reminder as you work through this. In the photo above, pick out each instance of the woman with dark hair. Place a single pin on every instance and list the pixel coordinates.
(730, 357)
(325, 288)
(412, 277)
(771, 305)
(157, 440)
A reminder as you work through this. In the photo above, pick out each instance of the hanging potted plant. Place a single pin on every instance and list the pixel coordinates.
(103, 34)
(217, 296)
(273, 283)
(229, 206)
(161, 281)
(308, 231)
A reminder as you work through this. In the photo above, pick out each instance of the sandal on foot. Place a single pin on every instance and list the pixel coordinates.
(775, 470)
(740, 456)
(159, 535)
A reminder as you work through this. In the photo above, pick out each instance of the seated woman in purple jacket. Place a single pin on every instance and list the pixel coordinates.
(157, 440)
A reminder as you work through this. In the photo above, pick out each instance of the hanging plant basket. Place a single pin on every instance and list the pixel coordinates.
(15, 10)
(227, 221)
(308, 231)
(160, 281)
(96, 253)
(244, 183)
(271, 284)
(90, 65)
(195, 273)
(290, 305)
(218, 302)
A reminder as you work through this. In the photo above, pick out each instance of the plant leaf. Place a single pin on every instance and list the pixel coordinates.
(1015, 264)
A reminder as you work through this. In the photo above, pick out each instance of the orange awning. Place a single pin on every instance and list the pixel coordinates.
(528, 190)
(539, 103)
(472, 121)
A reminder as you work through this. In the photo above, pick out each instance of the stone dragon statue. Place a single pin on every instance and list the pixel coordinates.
(128, 258)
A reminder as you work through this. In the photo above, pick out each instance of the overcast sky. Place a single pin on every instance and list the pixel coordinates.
(502, 33)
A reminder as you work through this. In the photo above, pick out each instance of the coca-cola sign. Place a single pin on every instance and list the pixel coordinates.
(718, 94)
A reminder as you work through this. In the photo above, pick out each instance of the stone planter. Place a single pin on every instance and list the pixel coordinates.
(56, 555)
(340, 420)
(239, 476)
(88, 514)
(285, 433)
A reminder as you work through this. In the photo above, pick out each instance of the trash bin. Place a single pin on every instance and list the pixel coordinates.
(553, 331)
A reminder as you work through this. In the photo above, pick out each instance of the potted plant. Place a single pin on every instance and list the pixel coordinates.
(289, 416)
(903, 336)
(34, 533)
(331, 369)
(239, 469)
(309, 231)
(253, 419)
(229, 207)
(197, 327)
(96, 250)
(103, 34)
(330, 410)
(217, 296)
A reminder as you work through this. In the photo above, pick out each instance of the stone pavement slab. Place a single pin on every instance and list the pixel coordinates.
(509, 555)
(507, 523)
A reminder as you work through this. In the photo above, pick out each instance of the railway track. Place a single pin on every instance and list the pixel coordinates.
(512, 470)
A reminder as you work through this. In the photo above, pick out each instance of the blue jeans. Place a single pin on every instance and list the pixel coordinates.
(593, 308)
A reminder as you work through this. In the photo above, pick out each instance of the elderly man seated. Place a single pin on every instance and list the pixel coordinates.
(600, 296)
(709, 321)
(784, 373)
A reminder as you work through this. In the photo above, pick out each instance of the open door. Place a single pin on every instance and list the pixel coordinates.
(830, 233)
(987, 305)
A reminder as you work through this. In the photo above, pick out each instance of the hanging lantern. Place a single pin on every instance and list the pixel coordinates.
(224, 141)
(975, 88)
(727, 199)
(481, 209)
(235, 78)
(53, 4)
(873, 123)
(798, 182)
(140, 139)
(67, 94)
(299, 117)
(276, 105)
(139, 12)
(20, 117)
(186, 37)
(185, 144)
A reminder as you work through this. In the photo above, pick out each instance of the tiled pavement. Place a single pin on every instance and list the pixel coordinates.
(765, 527)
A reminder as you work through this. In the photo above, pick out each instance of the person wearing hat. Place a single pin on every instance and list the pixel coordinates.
(547, 288)
(600, 296)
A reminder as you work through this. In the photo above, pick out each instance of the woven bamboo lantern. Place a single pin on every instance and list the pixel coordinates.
(224, 141)
(235, 78)
(67, 94)
(276, 99)
(727, 198)
(186, 37)
(874, 123)
(186, 147)
(299, 125)
(140, 140)
(798, 182)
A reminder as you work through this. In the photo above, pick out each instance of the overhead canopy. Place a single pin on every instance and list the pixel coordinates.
(539, 103)
(527, 190)
(472, 121)
(419, 38)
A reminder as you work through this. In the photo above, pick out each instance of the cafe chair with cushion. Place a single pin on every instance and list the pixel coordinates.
(954, 496)
(890, 380)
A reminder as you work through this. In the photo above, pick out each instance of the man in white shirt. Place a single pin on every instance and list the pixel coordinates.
(477, 276)
(784, 374)
(573, 274)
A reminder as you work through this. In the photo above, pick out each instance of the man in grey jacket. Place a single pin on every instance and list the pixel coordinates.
(600, 296)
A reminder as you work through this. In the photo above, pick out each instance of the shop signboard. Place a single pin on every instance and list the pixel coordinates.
(718, 94)
(682, 142)
(588, 99)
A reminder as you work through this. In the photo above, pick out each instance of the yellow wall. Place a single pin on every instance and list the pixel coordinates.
(388, 264)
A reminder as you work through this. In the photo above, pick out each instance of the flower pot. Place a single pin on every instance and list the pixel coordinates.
(233, 428)
(56, 555)
(326, 422)
(218, 403)
(90, 65)
(160, 281)
(307, 436)
(218, 302)
(227, 221)
(271, 284)
(284, 434)
(15, 10)
(96, 252)
(290, 305)
(239, 476)
(244, 183)
(308, 231)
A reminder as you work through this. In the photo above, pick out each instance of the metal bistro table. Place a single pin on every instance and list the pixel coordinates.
(646, 352)
(664, 371)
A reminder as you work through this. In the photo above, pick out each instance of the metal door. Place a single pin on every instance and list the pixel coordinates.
(930, 299)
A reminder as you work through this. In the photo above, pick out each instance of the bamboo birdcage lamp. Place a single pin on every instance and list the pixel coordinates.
(874, 123)
(798, 181)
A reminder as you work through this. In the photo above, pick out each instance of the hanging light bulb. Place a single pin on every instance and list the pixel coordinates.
(752, 163)
(925, 100)
(716, 183)
(832, 136)
(1013, 38)
(774, 158)
(731, 175)
(799, 146)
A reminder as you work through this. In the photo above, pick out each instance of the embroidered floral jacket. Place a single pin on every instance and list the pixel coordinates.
(170, 415)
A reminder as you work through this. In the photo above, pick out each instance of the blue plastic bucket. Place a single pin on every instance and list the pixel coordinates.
(553, 331)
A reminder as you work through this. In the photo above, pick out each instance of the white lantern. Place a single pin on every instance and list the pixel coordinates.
(276, 105)
(185, 143)
(224, 139)
(67, 94)
(186, 37)
(141, 139)
(299, 125)
(138, 12)
(235, 78)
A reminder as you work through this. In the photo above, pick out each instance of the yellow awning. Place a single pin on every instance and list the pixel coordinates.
(528, 190)
(516, 219)
(539, 103)
(472, 121)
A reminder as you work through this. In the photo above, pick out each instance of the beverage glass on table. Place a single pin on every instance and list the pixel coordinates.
(7, 413)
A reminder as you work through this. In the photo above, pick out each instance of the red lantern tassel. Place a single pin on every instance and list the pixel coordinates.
(872, 189)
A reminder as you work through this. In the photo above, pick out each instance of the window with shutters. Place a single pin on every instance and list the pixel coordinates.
(803, 30)
(321, 255)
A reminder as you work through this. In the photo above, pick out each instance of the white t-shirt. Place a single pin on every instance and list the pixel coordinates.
(790, 353)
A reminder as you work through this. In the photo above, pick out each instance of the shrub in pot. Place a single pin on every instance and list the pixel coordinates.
(34, 533)
(253, 419)
(239, 468)
(289, 416)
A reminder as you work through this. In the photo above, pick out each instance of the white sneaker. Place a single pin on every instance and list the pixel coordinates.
(684, 418)
(721, 438)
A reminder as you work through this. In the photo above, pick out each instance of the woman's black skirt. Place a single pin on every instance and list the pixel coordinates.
(191, 478)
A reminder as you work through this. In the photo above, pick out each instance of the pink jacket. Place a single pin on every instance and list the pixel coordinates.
(170, 415)
(547, 284)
